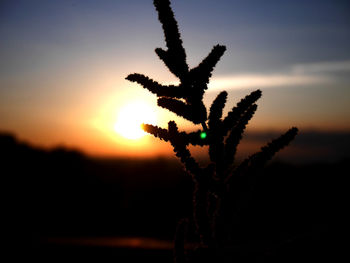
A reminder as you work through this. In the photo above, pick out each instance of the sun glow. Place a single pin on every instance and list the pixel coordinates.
(130, 118)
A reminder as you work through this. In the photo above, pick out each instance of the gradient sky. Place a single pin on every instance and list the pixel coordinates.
(63, 64)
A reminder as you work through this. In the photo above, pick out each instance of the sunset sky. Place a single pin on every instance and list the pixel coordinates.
(63, 66)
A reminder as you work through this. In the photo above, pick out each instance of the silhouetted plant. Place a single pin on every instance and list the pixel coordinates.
(218, 186)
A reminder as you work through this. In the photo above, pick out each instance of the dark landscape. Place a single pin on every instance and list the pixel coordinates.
(64, 204)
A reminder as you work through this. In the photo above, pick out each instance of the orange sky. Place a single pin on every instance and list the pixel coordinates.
(62, 67)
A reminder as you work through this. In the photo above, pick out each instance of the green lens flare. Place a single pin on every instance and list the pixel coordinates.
(203, 135)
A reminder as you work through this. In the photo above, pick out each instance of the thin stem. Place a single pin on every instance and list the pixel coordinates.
(204, 125)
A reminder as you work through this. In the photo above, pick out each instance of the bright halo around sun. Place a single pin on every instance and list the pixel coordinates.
(130, 119)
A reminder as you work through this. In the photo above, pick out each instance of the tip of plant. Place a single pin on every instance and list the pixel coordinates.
(294, 130)
(159, 2)
(129, 77)
(256, 94)
(223, 93)
(146, 127)
(223, 47)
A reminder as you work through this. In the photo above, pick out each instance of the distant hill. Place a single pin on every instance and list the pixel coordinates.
(66, 192)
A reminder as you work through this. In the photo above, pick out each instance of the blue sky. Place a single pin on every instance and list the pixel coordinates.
(260, 35)
(62, 61)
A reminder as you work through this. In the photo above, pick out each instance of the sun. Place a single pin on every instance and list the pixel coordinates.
(130, 118)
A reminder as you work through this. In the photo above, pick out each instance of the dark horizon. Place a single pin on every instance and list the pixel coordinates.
(309, 147)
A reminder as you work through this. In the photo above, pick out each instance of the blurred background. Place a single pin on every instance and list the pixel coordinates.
(78, 165)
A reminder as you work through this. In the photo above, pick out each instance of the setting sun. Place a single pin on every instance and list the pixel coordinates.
(131, 117)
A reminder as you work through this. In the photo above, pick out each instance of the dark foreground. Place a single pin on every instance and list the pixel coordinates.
(65, 206)
(103, 249)
(302, 249)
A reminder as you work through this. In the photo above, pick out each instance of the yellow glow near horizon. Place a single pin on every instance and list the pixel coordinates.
(130, 118)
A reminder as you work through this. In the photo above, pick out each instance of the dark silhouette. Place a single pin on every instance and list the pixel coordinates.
(221, 189)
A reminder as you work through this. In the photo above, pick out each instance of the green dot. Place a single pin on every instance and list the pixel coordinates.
(203, 135)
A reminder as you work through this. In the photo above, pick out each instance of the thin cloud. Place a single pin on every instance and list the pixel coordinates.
(322, 67)
(298, 75)
(264, 81)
